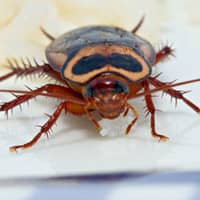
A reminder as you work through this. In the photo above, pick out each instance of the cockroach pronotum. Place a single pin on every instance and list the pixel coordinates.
(99, 68)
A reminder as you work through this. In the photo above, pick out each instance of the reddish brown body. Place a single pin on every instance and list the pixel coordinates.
(99, 68)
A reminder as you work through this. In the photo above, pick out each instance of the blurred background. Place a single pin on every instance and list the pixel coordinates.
(68, 152)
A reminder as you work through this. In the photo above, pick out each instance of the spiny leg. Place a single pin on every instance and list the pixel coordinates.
(137, 27)
(126, 112)
(43, 130)
(48, 35)
(97, 125)
(23, 69)
(163, 54)
(55, 90)
(90, 116)
(151, 109)
(128, 106)
(69, 106)
(174, 93)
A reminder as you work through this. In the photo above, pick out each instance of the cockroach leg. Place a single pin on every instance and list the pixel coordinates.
(174, 93)
(137, 27)
(91, 117)
(52, 89)
(23, 98)
(128, 106)
(126, 112)
(48, 35)
(151, 109)
(44, 129)
(163, 54)
(23, 69)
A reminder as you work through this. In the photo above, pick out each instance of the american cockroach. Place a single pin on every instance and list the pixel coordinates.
(99, 68)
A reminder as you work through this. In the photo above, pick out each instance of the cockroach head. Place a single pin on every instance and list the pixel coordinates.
(107, 95)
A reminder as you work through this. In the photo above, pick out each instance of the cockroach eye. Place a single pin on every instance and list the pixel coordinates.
(120, 87)
(104, 85)
(89, 92)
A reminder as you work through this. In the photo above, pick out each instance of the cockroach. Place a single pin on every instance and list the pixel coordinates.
(97, 68)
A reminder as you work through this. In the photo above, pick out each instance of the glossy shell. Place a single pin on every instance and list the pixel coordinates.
(84, 53)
